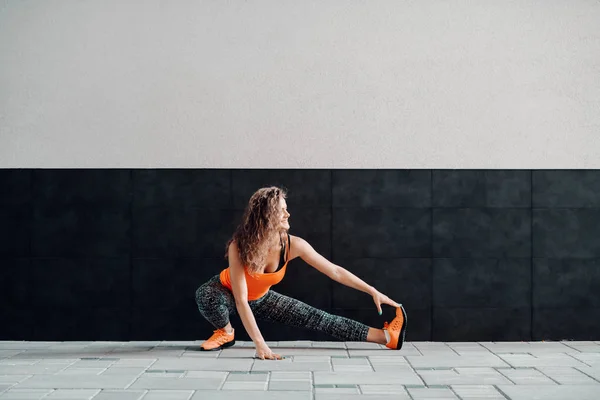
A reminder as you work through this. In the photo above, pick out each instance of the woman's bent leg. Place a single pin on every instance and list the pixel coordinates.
(215, 302)
(276, 307)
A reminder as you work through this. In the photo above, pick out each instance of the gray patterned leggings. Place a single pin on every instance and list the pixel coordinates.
(216, 303)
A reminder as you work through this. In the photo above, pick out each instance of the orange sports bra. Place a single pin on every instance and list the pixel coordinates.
(259, 284)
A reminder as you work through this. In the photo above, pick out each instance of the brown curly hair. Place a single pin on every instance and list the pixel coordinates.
(259, 228)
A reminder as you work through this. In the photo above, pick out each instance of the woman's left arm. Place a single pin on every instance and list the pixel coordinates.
(305, 251)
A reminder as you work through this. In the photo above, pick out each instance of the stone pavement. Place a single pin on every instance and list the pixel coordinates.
(311, 370)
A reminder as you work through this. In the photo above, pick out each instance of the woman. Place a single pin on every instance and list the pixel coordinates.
(256, 252)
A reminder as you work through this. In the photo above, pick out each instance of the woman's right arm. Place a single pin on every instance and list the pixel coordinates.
(240, 293)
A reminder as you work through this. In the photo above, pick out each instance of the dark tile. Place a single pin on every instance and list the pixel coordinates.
(100, 187)
(15, 230)
(471, 232)
(65, 231)
(306, 284)
(181, 232)
(418, 322)
(169, 283)
(404, 280)
(459, 188)
(482, 282)
(95, 324)
(381, 188)
(381, 232)
(566, 233)
(210, 188)
(566, 283)
(306, 187)
(15, 186)
(314, 226)
(15, 282)
(566, 323)
(481, 324)
(175, 323)
(17, 323)
(83, 283)
(571, 188)
(508, 188)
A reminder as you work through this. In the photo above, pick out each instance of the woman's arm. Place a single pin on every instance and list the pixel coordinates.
(240, 294)
(339, 274)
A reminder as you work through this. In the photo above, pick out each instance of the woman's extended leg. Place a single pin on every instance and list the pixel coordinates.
(215, 303)
(276, 307)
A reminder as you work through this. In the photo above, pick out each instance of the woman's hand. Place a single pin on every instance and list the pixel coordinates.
(380, 298)
(264, 352)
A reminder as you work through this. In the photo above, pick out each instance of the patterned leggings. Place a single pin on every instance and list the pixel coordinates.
(216, 303)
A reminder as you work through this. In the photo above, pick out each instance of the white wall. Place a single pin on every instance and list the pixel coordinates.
(300, 84)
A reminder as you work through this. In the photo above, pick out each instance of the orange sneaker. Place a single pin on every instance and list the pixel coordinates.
(219, 340)
(396, 329)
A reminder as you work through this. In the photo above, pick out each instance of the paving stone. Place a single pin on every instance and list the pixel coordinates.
(205, 364)
(350, 361)
(290, 376)
(290, 385)
(81, 371)
(206, 374)
(329, 345)
(358, 378)
(72, 394)
(120, 395)
(429, 393)
(177, 383)
(251, 395)
(549, 392)
(526, 376)
(313, 359)
(477, 392)
(435, 349)
(12, 379)
(29, 394)
(333, 396)
(245, 386)
(168, 395)
(136, 362)
(456, 361)
(541, 360)
(133, 371)
(30, 369)
(288, 365)
(82, 382)
(467, 376)
(593, 372)
(352, 368)
(373, 389)
(567, 376)
(591, 359)
(247, 377)
(584, 347)
(336, 390)
(238, 353)
(363, 345)
(4, 387)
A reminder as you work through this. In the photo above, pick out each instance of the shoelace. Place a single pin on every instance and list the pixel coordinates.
(219, 335)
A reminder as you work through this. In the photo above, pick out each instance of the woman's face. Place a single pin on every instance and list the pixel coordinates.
(284, 214)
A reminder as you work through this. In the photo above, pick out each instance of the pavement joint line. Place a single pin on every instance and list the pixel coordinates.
(577, 368)
(583, 362)
(450, 347)
(571, 347)
(501, 392)
(500, 372)
(547, 376)
(454, 392)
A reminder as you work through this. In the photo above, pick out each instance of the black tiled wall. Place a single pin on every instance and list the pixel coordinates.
(472, 254)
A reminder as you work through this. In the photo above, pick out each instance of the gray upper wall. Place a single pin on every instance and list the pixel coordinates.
(300, 84)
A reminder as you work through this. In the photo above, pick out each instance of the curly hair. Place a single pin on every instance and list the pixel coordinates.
(259, 228)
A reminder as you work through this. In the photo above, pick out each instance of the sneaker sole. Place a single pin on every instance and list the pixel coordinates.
(403, 330)
(223, 346)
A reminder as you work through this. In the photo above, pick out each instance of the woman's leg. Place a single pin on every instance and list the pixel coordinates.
(215, 303)
(276, 307)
